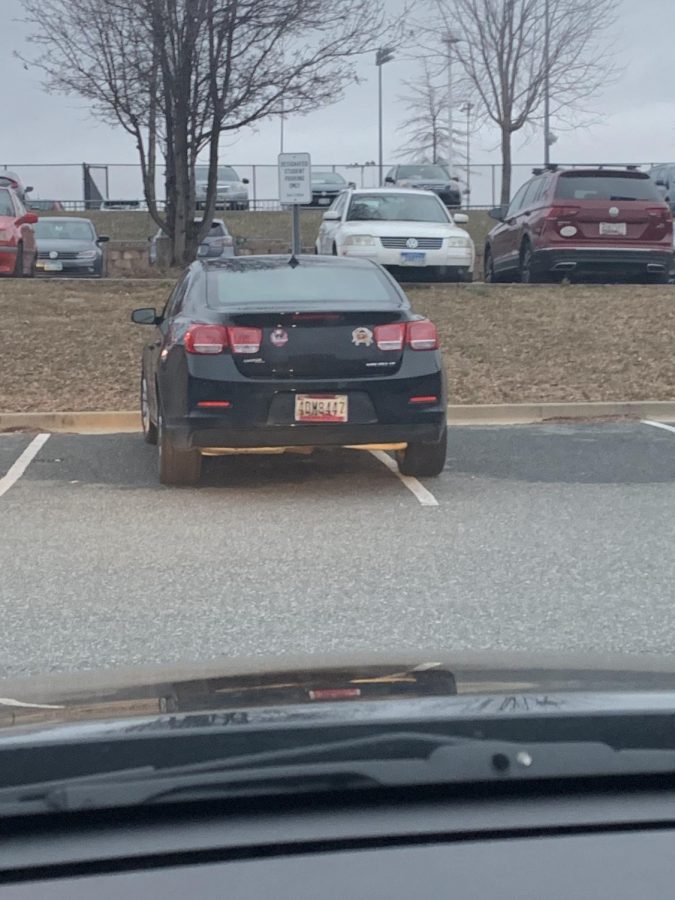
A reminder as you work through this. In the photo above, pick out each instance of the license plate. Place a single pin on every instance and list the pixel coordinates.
(413, 258)
(612, 228)
(321, 408)
(51, 266)
(324, 201)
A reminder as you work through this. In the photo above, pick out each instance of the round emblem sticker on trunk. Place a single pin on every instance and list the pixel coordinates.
(279, 337)
(614, 211)
(362, 336)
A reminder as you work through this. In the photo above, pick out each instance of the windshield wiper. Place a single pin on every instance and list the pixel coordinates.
(390, 760)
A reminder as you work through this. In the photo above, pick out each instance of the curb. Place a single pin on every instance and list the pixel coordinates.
(128, 422)
(72, 422)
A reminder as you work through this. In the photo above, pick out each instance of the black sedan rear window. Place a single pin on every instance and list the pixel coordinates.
(606, 187)
(287, 285)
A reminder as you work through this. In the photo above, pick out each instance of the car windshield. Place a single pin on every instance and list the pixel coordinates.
(225, 173)
(432, 173)
(63, 230)
(327, 178)
(285, 285)
(606, 187)
(6, 205)
(395, 208)
(341, 408)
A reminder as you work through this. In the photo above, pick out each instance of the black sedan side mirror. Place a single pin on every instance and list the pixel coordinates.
(146, 316)
(245, 181)
(102, 239)
(498, 213)
(389, 180)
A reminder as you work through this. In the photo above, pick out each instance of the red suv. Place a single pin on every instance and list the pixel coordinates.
(576, 223)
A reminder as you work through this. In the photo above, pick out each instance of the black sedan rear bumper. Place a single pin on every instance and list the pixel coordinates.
(262, 411)
(602, 262)
(213, 432)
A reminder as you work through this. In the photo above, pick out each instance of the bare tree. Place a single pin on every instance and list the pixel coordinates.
(501, 47)
(177, 74)
(426, 125)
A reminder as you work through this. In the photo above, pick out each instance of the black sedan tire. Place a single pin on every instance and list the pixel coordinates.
(177, 466)
(423, 459)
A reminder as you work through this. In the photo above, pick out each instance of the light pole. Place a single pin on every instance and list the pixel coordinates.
(467, 109)
(547, 84)
(449, 41)
(382, 56)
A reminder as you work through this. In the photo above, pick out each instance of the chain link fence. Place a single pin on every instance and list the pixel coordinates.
(66, 182)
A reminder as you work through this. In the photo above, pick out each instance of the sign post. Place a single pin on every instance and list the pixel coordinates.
(295, 188)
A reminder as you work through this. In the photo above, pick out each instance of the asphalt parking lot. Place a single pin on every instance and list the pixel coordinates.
(535, 538)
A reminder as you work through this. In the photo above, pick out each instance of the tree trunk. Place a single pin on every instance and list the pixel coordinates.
(506, 166)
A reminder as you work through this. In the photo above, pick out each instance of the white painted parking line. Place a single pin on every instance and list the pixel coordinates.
(22, 463)
(659, 425)
(425, 497)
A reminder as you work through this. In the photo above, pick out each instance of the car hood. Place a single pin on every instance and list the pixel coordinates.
(337, 689)
(404, 229)
(63, 245)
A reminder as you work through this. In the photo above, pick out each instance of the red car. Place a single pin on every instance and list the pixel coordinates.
(582, 223)
(18, 252)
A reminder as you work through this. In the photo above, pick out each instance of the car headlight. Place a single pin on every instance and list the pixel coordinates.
(86, 254)
(360, 240)
(5, 235)
(457, 242)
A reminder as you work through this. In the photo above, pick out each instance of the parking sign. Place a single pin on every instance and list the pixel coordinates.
(295, 178)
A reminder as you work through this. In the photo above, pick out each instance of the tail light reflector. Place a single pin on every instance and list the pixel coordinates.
(427, 398)
(206, 339)
(390, 337)
(214, 404)
(422, 335)
(562, 212)
(245, 340)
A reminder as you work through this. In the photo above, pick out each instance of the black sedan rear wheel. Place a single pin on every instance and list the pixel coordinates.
(421, 460)
(176, 466)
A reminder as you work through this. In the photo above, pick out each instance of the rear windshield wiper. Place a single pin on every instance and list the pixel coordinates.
(393, 760)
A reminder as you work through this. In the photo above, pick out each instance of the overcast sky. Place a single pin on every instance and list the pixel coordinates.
(637, 113)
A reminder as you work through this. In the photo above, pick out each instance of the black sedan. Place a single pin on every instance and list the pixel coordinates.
(326, 186)
(69, 246)
(428, 178)
(267, 351)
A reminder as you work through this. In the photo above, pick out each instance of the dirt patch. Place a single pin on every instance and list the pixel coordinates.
(71, 346)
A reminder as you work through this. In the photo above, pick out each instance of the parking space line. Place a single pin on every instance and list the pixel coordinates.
(659, 425)
(19, 467)
(425, 497)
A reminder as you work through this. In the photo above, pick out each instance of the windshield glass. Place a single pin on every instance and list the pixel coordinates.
(395, 208)
(327, 178)
(341, 408)
(606, 187)
(286, 286)
(433, 173)
(6, 205)
(62, 229)
(225, 173)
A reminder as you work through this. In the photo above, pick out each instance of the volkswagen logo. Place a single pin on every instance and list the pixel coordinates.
(412, 243)
(614, 211)
(53, 254)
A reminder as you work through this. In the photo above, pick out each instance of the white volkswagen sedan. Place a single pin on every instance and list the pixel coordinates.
(402, 230)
